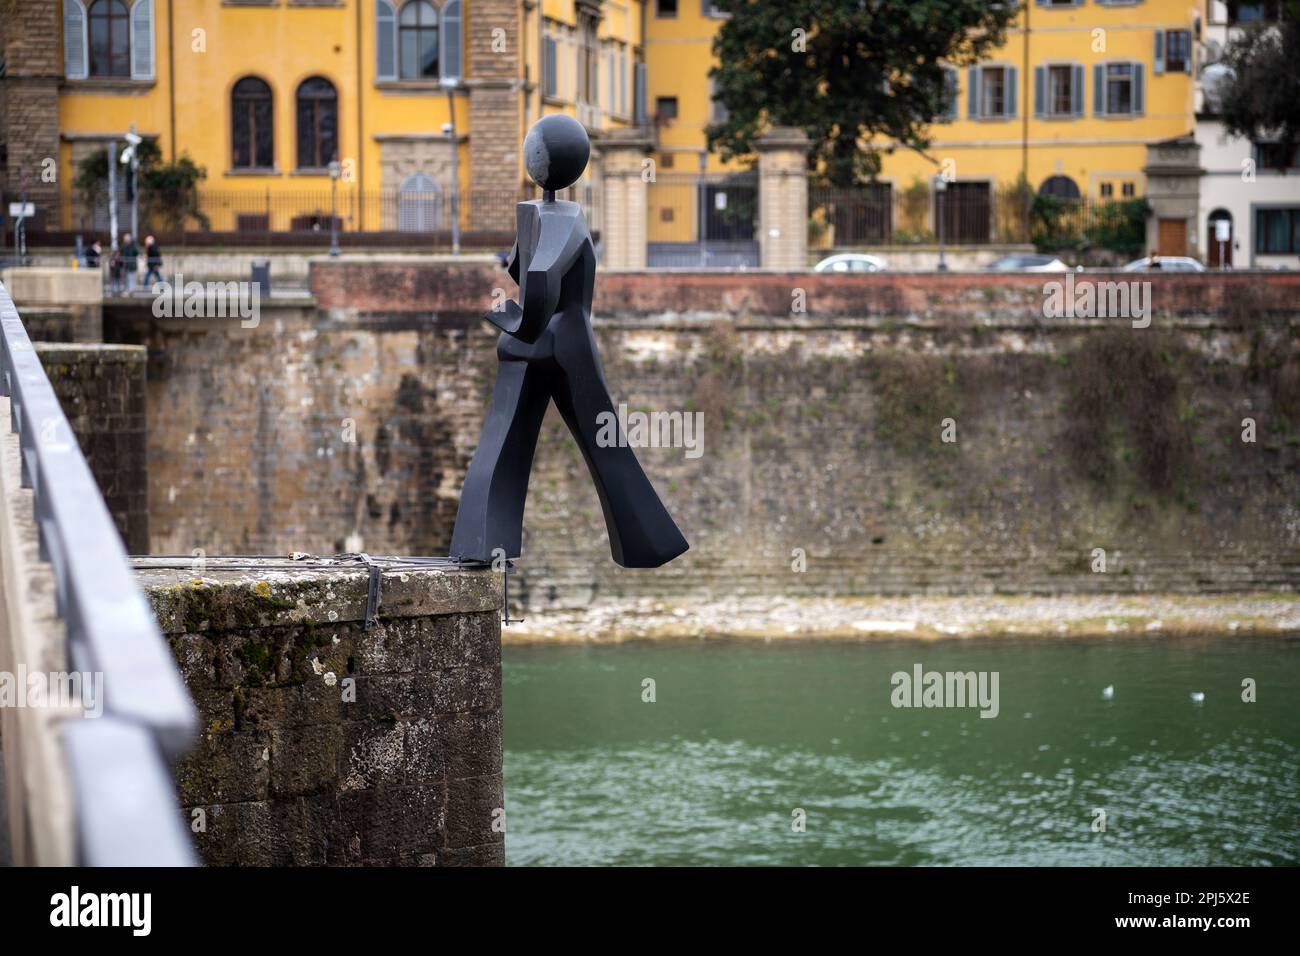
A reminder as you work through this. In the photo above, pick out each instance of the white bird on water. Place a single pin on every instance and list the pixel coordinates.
(1108, 692)
(1197, 696)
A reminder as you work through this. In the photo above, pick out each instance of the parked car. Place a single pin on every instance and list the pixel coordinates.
(1027, 263)
(851, 262)
(1166, 264)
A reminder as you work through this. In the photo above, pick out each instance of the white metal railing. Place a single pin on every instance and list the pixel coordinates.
(123, 796)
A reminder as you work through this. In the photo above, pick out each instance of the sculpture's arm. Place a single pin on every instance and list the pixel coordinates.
(512, 264)
(539, 291)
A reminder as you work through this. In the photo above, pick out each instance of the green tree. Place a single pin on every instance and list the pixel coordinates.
(1259, 99)
(167, 192)
(845, 71)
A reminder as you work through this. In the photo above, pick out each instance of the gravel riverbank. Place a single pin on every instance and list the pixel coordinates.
(917, 617)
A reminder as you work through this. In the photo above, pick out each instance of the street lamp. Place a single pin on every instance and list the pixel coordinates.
(940, 188)
(450, 83)
(334, 208)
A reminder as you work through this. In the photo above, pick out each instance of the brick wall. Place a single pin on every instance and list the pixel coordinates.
(390, 286)
(102, 391)
(327, 743)
(30, 40)
(495, 118)
(822, 431)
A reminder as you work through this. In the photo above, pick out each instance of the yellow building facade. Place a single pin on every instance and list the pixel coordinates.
(265, 94)
(1070, 102)
(407, 95)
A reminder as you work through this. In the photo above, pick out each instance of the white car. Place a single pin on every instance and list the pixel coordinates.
(851, 262)
(1166, 264)
(1028, 263)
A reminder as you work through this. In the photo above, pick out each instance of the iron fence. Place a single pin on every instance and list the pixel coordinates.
(422, 217)
(882, 214)
(124, 797)
(707, 220)
(970, 213)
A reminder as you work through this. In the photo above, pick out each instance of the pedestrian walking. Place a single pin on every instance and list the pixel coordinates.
(116, 272)
(152, 261)
(130, 261)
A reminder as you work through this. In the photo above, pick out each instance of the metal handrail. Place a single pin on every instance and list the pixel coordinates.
(110, 629)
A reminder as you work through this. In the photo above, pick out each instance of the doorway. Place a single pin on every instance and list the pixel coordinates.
(1171, 237)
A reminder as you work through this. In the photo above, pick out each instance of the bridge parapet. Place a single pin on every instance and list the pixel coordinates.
(86, 775)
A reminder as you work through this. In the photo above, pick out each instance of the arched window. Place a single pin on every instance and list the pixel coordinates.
(417, 36)
(250, 125)
(419, 206)
(110, 38)
(318, 123)
(1062, 187)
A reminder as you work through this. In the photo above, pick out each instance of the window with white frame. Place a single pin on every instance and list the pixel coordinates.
(991, 92)
(418, 40)
(1118, 89)
(1058, 90)
(108, 38)
(1173, 51)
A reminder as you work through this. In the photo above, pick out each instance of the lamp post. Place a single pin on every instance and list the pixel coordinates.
(131, 155)
(334, 208)
(112, 194)
(450, 84)
(940, 188)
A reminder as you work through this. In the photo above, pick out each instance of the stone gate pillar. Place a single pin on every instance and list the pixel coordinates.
(624, 227)
(783, 198)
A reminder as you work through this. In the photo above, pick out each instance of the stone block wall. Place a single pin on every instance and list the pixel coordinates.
(325, 742)
(822, 431)
(58, 304)
(102, 391)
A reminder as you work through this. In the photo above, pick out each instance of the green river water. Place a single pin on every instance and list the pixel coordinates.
(741, 735)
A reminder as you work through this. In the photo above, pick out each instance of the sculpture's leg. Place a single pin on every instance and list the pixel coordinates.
(491, 513)
(641, 532)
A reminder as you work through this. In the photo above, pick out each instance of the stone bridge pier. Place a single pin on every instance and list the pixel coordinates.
(347, 715)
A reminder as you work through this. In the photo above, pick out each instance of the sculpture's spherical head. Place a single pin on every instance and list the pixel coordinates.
(556, 151)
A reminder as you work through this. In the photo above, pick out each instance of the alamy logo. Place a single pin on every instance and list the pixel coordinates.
(59, 689)
(210, 300)
(923, 688)
(651, 430)
(103, 909)
(1098, 300)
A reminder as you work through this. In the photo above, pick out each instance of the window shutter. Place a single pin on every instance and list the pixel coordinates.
(973, 92)
(548, 67)
(1040, 91)
(639, 92)
(950, 93)
(610, 98)
(385, 41)
(1138, 93)
(1159, 62)
(1013, 87)
(142, 40)
(1099, 90)
(1076, 91)
(74, 39)
(450, 30)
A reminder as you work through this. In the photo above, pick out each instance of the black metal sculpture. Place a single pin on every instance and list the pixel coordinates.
(547, 351)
